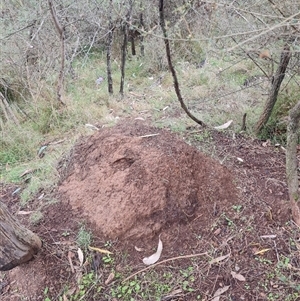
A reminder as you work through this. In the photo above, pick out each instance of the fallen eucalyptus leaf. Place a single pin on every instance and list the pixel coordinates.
(217, 232)
(71, 291)
(80, 256)
(261, 251)
(224, 126)
(25, 212)
(100, 250)
(218, 259)
(65, 298)
(268, 236)
(16, 191)
(26, 172)
(219, 292)
(70, 255)
(237, 276)
(138, 249)
(91, 126)
(110, 278)
(41, 152)
(172, 295)
(154, 257)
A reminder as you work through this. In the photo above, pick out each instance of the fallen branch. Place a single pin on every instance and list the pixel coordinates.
(162, 262)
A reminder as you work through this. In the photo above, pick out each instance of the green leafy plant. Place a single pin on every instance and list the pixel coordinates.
(84, 238)
(237, 208)
(36, 217)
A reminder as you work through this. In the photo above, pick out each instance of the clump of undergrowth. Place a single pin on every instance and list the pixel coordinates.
(275, 129)
(84, 238)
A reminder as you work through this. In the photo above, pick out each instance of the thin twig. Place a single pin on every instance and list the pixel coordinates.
(150, 135)
(162, 262)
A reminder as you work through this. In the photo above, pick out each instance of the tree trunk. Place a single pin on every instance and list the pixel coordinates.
(291, 160)
(61, 31)
(17, 244)
(278, 78)
(108, 49)
(171, 67)
(142, 26)
(124, 46)
(132, 34)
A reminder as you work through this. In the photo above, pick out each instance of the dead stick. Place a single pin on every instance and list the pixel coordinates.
(150, 135)
(164, 261)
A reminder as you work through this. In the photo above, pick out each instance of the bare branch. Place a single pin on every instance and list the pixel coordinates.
(61, 33)
(168, 51)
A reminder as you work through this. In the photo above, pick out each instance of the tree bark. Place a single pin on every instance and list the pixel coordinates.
(278, 78)
(142, 26)
(17, 244)
(108, 49)
(132, 34)
(291, 160)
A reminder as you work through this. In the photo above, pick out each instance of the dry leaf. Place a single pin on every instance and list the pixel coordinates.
(138, 249)
(25, 212)
(261, 252)
(217, 232)
(268, 236)
(224, 126)
(237, 276)
(110, 278)
(91, 126)
(65, 298)
(100, 250)
(80, 256)
(172, 295)
(71, 291)
(218, 259)
(16, 191)
(70, 255)
(154, 257)
(219, 292)
(26, 172)
(41, 152)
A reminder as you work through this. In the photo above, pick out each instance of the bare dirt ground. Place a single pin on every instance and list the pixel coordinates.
(131, 183)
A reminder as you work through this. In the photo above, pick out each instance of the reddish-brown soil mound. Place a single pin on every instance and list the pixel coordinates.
(135, 185)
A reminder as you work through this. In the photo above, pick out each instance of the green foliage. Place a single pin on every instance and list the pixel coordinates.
(84, 238)
(275, 129)
(89, 288)
(36, 217)
(237, 208)
(127, 291)
(203, 136)
(18, 144)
